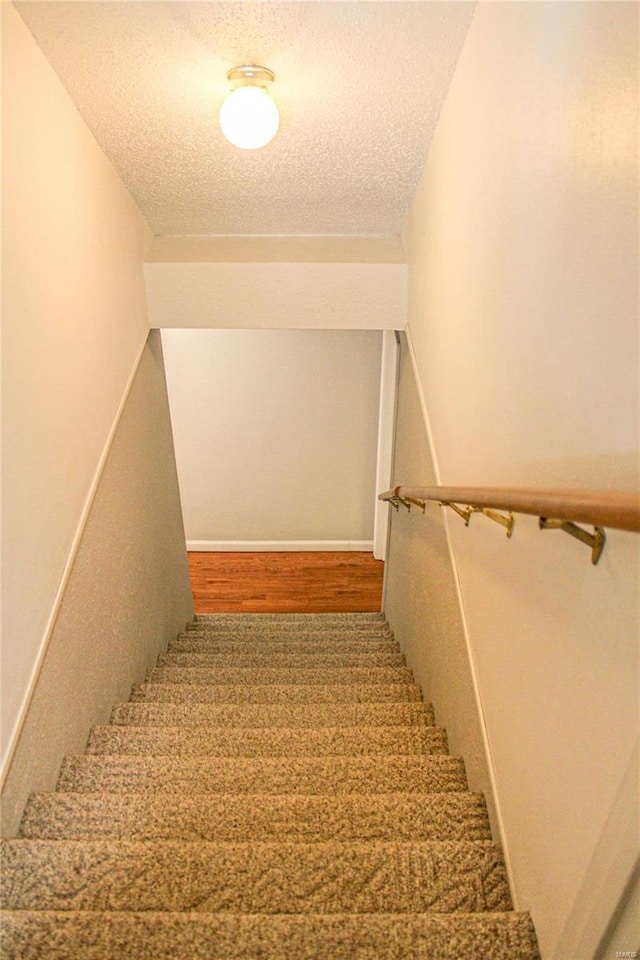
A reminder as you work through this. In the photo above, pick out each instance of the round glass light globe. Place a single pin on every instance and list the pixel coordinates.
(249, 118)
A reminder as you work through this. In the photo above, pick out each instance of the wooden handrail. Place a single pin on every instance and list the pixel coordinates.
(602, 508)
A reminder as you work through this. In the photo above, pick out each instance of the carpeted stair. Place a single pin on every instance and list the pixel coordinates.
(275, 790)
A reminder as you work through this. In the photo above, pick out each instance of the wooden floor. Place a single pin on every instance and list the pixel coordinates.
(286, 582)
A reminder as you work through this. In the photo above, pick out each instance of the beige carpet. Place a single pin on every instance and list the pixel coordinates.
(275, 790)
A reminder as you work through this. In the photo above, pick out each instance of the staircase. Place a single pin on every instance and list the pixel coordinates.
(276, 790)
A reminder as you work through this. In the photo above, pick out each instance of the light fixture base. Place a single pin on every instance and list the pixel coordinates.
(250, 75)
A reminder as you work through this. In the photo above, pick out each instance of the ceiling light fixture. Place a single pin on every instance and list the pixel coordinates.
(248, 117)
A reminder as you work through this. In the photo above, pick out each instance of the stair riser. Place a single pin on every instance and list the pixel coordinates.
(254, 878)
(315, 776)
(301, 693)
(266, 716)
(153, 936)
(237, 818)
(292, 661)
(215, 742)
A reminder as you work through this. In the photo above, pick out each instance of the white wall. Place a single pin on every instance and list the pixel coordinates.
(523, 312)
(74, 325)
(275, 434)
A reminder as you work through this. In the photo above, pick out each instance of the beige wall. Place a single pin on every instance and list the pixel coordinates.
(128, 593)
(523, 310)
(421, 600)
(73, 327)
(275, 435)
(297, 295)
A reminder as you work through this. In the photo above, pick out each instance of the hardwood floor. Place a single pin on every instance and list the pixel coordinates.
(286, 582)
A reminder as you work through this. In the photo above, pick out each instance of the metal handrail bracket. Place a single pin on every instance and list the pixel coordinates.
(465, 512)
(508, 521)
(595, 540)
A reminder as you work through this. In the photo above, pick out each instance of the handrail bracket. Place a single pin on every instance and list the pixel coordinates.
(507, 521)
(396, 500)
(465, 512)
(595, 540)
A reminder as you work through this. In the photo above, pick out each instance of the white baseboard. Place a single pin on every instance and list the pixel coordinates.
(278, 546)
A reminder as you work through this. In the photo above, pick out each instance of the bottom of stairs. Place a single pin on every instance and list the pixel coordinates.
(276, 790)
(173, 936)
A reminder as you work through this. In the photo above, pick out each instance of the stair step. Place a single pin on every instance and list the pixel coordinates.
(308, 635)
(294, 621)
(252, 742)
(306, 775)
(213, 659)
(262, 817)
(267, 675)
(277, 693)
(32, 935)
(199, 643)
(444, 877)
(297, 620)
(274, 631)
(273, 715)
(308, 626)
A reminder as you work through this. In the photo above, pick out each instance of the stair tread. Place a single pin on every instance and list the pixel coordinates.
(251, 741)
(274, 715)
(298, 661)
(31, 935)
(312, 630)
(358, 635)
(308, 638)
(378, 876)
(304, 623)
(247, 644)
(306, 693)
(317, 775)
(347, 621)
(279, 675)
(299, 621)
(312, 818)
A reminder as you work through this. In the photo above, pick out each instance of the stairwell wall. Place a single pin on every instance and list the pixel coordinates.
(275, 434)
(523, 314)
(421, 599)
(74, 328)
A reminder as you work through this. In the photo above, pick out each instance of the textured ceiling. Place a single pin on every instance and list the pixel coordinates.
(359, 85)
